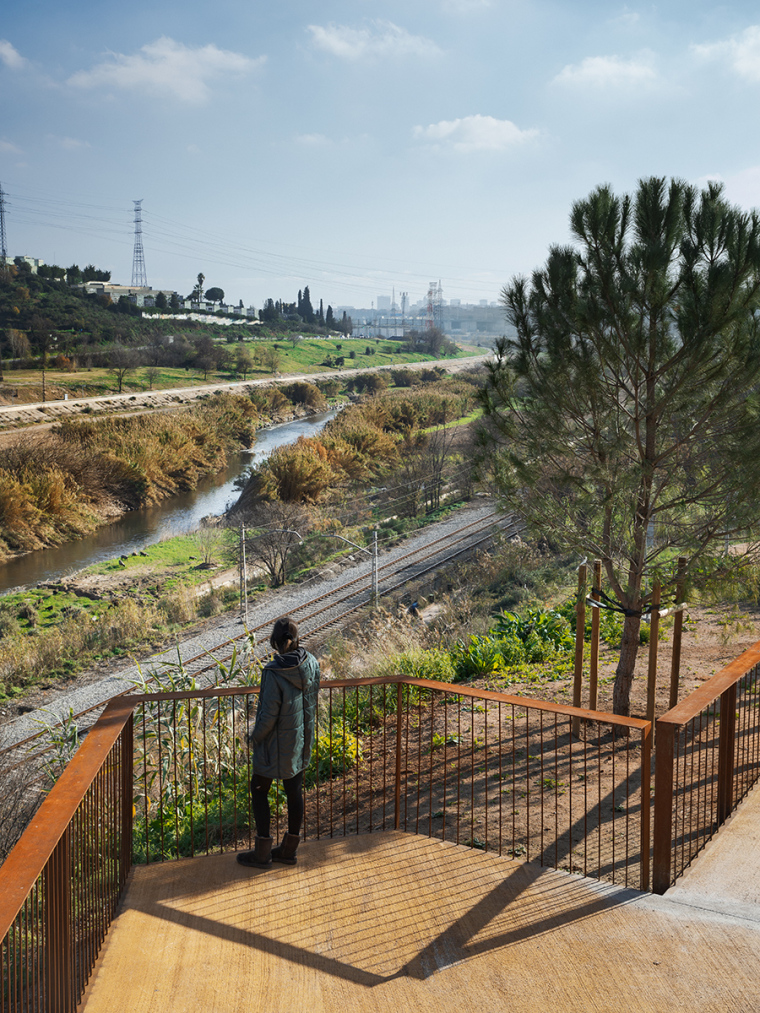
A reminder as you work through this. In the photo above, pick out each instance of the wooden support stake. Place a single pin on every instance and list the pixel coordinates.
(675, 664)
(654, 631)
(595, 618)
(580, 629)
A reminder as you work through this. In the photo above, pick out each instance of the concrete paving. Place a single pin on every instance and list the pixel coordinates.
(389, 922)
(725, 875)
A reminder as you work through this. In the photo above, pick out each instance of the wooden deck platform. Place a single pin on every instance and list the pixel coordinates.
(391, 921)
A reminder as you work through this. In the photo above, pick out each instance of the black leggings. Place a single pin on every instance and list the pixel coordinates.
(260, 802)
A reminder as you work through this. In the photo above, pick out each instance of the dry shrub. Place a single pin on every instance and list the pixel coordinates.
(181, 606)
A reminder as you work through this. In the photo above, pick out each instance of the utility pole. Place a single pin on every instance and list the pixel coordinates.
(3, 242)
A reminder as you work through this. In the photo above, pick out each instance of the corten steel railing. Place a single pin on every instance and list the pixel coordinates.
(707, 759)
(168, 773)
(60, 885)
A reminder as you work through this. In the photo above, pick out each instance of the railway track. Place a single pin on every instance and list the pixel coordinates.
(329, 611)
(324, 613)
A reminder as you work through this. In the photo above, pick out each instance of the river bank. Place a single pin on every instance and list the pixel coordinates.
(132, 531)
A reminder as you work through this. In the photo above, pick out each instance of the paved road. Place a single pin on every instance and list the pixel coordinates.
(288, 599)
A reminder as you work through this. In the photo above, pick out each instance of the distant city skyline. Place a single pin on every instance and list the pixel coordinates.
(356, 148)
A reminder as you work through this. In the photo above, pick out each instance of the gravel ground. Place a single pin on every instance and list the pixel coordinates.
(98, 689)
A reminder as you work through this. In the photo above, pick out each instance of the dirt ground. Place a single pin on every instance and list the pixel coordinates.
(712, 637)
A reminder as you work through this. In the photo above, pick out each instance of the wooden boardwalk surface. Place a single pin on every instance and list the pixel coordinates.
(392, 921)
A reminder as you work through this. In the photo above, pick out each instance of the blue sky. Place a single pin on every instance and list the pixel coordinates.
(356, 146)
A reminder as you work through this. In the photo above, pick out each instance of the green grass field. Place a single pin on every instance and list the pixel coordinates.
(307, 356)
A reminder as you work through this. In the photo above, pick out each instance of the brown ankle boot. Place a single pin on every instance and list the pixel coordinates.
(286, 851)
(260, 857)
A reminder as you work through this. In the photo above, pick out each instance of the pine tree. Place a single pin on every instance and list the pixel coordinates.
(627, 403)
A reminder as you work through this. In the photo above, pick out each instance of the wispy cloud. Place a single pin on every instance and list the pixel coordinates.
(10, 56)
(313, 140)
(467, 6)
(742, 52)
(7, 148)
(607, 72)
(69, 143)
(626, 19)
(474, 133)
(379, 39)
(167, 68)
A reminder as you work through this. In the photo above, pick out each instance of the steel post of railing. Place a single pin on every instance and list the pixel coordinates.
(726, 753)
(663, 806)
(646, 803)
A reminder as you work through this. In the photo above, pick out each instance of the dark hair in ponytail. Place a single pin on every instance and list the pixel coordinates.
(284, 636)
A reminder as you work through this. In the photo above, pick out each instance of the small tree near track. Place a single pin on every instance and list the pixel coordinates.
(622, 419)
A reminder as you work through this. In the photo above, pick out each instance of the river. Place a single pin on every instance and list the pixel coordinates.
(173, 516)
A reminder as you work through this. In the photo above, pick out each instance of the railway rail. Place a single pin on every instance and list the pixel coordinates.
(318, 616)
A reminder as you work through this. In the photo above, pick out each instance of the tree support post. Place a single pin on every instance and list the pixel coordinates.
(593, 678)
(675, 664)
(654, 633)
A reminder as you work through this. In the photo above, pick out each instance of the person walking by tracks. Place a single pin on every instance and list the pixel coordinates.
(281, 741)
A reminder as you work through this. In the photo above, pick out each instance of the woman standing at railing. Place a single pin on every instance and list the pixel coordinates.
(282, 738)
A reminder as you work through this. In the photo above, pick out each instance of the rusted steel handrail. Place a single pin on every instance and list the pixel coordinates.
(694, 720)
(25, 863)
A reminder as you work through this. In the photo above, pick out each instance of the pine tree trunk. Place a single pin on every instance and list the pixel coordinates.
(629, 648)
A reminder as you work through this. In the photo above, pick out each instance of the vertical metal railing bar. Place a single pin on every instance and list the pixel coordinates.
(598, 799)
(234, 755)
(204, 724)
(160, 776)
(419, 760)
(219, 767)
(472, 776)
(408, 695)
(356, 765)
(556, 795)
(614, 809)
(541, 782)
(527, 784)
(586, 797)
(678, 792)
(397, 777)
(501, 780)
(248, 770)
(318, 783)
(173, 741)
(430, 778)
(330, 789)
(385, 754)
(191, 770)
(459, 765)
(343, 765)
(485, 773)
(144, 761)
(371, 713)
(445, 762)
(628, 804)
(513, 790)
(694, 785)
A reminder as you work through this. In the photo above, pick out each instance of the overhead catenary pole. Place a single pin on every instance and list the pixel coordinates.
(375, 593)
(243, 578)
